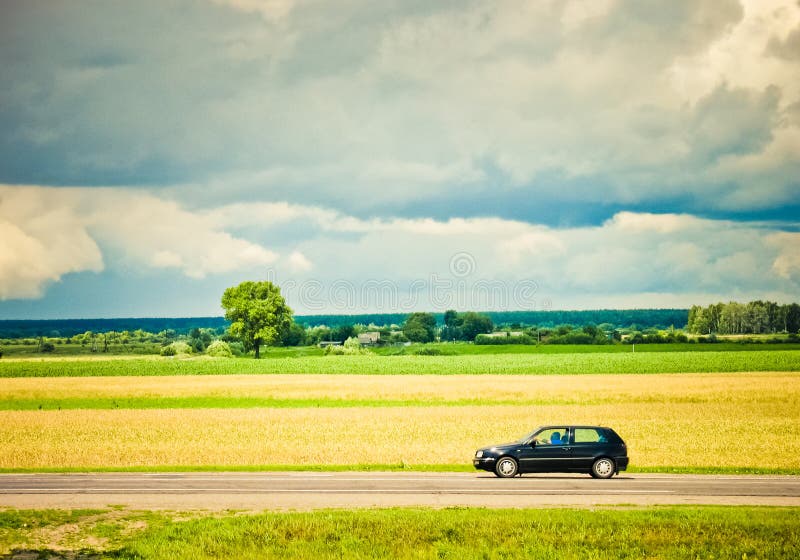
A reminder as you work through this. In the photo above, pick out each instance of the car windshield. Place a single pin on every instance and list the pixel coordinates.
(527, 436)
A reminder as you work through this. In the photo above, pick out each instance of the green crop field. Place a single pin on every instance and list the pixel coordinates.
(12, 349)
(539, 364)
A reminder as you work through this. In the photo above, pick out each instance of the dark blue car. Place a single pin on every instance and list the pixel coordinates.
(596, 450)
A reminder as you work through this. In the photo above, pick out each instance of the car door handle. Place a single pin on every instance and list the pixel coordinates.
(565, 449)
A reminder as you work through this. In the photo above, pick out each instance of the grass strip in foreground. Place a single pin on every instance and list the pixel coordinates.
(662, 532)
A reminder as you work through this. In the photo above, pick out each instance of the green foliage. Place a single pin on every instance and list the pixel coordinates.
(237, 348)
(176, 349)
(473, 324)
(754, 317)
(343, 332)
(427, 351)
(619, 318)
(219, 349)
(485, 340)
(199, 339)
(295, 335)
(351, 347)
(452, 326)
(420, 327)
(669, 337)
(257, 312)
(577, 337)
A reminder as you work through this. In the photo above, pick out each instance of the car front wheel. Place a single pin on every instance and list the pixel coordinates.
(603, 468)
(506, 467)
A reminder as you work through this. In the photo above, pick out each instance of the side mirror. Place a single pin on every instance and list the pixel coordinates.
(533, 443)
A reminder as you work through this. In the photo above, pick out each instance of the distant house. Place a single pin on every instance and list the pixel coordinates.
(504, 334)
(369, 338)
(324, 343)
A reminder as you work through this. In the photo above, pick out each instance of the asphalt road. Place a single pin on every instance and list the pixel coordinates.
(311, 490)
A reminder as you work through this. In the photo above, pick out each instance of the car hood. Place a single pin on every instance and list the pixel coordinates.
(502, 446)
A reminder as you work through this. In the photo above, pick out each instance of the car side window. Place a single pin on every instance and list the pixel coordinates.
(589, 435)
(553, 436)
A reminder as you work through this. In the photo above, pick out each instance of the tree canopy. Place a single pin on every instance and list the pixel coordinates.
(473, 324)
(420, 327)
(744, 318)
(257, 312)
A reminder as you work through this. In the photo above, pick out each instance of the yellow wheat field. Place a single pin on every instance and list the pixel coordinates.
(776, 389)
(696, 434)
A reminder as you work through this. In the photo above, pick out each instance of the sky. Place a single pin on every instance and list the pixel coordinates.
(397, 156)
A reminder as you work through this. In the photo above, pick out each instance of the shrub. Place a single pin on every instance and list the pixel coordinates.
(219, 349)
(47, 347)
(350, 347)
(176, 349)
(428, 352)
(1, 352)
(237, 348)
(710, 339)
(573, 337)
(485, 340)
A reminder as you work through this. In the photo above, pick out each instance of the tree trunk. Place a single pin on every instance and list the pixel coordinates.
(257, 344)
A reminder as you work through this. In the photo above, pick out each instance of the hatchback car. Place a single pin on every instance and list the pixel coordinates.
(595, 450)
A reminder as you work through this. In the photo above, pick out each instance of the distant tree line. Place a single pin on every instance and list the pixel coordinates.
(755, 317)
(645, 318)
(59, 328)
(257, 316)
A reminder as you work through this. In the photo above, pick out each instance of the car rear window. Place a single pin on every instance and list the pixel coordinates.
(589, 435)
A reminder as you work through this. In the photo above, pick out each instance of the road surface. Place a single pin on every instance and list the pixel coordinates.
(312, 490)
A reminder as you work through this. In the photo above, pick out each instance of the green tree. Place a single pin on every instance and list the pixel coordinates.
(257, 312)
(473, 324)
(420, 327)
(343, 332)
(295, 335)
(452, 322)
(792, 319)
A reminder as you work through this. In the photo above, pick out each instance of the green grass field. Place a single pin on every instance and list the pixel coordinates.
(448, 349)
(657, 532)
(539, 364)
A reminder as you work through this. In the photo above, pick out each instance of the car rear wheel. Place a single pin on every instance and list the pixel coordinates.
(506, 467)
(603, 468)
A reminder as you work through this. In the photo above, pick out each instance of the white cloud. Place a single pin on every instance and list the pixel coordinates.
(49, 232)
(299, 263)
(40, 241)
(787, 263)
(629, 255)
(160, 233)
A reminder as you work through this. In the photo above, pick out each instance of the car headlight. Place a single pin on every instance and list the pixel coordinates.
(479, 454)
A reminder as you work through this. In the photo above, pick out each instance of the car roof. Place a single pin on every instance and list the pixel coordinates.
(550, 426)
